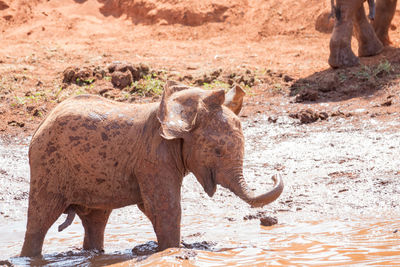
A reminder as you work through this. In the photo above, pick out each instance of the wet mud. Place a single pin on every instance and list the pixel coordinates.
(339, 206)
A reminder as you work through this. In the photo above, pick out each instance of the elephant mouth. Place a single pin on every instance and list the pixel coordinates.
(210, 185)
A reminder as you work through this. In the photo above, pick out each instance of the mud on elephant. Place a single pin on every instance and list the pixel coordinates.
(92, 155)
(371, 37)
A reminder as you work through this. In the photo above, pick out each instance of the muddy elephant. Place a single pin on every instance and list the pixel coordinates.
(371, 37)
(92, 155)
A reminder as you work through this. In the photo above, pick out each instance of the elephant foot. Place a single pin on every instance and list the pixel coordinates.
(343, 58)
(371, 48)
(33, 244)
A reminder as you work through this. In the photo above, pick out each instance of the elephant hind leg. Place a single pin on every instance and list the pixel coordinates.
(368, 42)
(41, 216)
(94, 222)
(385, 10)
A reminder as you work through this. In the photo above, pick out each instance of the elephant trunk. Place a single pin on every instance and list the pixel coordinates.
(239, 187)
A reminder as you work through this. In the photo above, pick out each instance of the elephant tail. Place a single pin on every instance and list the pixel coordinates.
(70, 218)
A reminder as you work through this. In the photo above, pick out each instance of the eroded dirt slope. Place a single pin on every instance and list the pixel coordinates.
(276, 42)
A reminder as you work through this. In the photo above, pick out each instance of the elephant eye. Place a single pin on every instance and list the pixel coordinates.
(218, 152)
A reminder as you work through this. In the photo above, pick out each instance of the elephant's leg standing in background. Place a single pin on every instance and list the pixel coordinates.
(341, 54)
(385, 10)
(368, 42)
(94, 222)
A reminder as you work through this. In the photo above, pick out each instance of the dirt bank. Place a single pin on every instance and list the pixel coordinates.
(275, 40)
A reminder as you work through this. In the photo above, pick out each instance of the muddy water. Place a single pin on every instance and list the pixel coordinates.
(339, 207)
(318, 243)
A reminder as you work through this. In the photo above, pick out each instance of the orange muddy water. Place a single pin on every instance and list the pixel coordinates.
(372, 241)
(339, 207)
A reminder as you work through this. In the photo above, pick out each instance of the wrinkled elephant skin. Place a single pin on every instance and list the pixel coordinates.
(92, 155)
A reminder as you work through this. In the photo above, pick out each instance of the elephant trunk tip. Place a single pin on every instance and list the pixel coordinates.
(271, 196)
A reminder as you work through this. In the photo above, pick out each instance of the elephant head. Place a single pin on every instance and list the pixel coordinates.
(213, 142)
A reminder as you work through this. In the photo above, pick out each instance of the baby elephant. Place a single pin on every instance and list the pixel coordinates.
(92, 155)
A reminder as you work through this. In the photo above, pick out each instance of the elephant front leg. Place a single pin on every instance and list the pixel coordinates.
(168, 229)
(368, 42)
(164, 211)
(341, 54)
(385, 10)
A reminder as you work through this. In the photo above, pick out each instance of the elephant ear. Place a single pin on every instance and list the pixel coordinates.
(214, 99)
(178, 111)
(234, 99)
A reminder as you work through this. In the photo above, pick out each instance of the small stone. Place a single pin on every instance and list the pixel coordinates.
(16, 123)
(69, 74)
(39, 112)
(30, 108)
(272, 119)
(268, 221)
(121, 79)
(162, 22)
(7, 17)
(79, 76)
(186, 255)
(188, 77)
(305, 116)
(387, 103)
(307, 95)
(323, 115)
(6, 263)
(145, 249)
(328, 82)
(287, 78)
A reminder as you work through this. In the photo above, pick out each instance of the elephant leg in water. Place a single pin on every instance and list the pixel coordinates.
(385, 10)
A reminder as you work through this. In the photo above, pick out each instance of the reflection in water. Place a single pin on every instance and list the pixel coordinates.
(307, 243)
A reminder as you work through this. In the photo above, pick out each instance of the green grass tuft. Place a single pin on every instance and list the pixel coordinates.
(150, 85)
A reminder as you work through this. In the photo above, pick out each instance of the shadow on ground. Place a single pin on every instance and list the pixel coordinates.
(334, 85)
